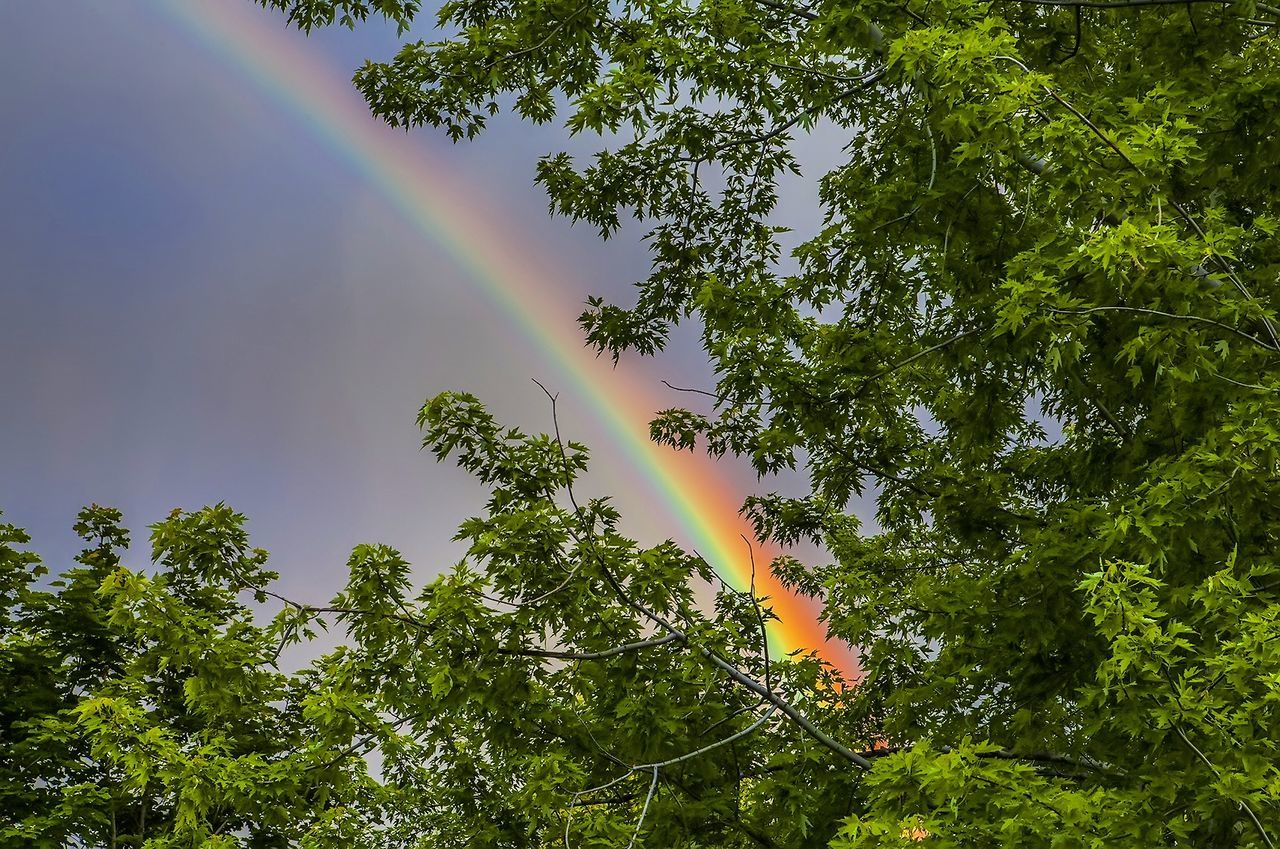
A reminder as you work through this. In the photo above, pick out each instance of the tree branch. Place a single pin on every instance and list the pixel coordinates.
(1266, 838)
(736, 674)
(1196, 318)
(1126, 4)
(916, 356)
(594, 655)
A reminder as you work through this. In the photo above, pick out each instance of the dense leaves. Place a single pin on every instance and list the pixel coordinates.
(1039, 319)
(1037, 326)
(147, 708)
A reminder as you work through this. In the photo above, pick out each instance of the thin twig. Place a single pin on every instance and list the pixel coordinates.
(1244, 806)
(916, 356)
(655, 768)
(653, 787)
(755, 603)
(669, 385)
(593, 655)
(713, 657)
(1125, 4)
(1196, 318)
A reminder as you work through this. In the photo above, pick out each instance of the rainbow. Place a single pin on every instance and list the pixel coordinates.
(424, 192)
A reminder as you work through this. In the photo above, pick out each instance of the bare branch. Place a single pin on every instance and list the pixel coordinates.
(653, 787)
(1128, 4)
(593, 655)
(917, 356)
(736, 674)
(1195, 318)
(669, 385)
(1248, 811)
(755, 603)
(655, 768)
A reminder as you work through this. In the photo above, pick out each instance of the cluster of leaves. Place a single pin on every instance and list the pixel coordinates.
(307, 15)
(561, 685)
(149, 709)
(1038, 323)
(570, 690)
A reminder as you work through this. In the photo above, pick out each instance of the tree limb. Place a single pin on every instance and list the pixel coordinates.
(736, 674)
(1195, 318)
(593, 655)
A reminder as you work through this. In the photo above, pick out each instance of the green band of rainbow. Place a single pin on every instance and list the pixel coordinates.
(428, 197)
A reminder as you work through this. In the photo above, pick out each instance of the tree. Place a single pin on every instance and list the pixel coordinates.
(149, 710)
(1037, 326)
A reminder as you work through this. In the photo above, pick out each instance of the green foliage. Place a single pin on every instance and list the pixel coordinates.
(149, 709)
(1036, 325)
(309, 14)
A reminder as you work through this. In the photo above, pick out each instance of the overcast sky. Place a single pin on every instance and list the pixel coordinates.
(201, 302)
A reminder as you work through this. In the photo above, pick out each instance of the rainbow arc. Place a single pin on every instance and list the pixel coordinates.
(426, 193)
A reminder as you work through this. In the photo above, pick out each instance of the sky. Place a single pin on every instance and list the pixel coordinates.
(207, 296)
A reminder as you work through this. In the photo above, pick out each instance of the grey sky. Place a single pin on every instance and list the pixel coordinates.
(201, 303)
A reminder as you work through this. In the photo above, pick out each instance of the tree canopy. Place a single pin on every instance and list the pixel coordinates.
(1037, 327)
